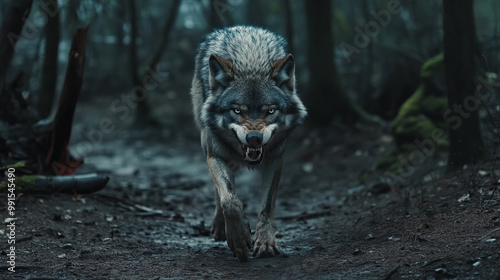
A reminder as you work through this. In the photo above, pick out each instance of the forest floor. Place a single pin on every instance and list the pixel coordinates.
(335, 219)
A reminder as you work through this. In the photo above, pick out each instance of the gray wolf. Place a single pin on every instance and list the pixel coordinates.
(245, 105)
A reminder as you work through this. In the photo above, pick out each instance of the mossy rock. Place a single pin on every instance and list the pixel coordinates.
(18, 164)
(22, 183)
(432, 66)
(418, 118)
(410, 107)
(413, 127)
(434, 107)
(395, 158)
(422, 112)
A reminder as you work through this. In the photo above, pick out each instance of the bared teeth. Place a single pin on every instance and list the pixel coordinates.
(250, 150)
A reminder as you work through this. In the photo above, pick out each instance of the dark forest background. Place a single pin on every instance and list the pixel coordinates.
(395, 173)
(357, 61)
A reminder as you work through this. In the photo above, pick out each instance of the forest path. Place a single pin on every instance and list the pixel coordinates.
(152, 221)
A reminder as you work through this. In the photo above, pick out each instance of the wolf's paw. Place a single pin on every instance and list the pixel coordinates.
(265, 242)
(238, 235)
(219, 227)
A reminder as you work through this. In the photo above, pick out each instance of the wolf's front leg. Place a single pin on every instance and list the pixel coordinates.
(265, 241)
(218, 223)
(237, 228)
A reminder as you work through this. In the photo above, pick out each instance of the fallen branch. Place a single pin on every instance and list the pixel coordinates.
(427, 263)
(132, 206)
(488, 235)
(391, 273)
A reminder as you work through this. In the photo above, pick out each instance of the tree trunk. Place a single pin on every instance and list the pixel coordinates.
(71, 20)
(143, 108)
(466, 143)
(10, 31)
(289, 24)
(49, 70)
(326, 99)
(369, 61)
(58, 158)
(133, 47)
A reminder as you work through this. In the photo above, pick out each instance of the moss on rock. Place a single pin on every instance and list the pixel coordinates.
(434, 107)
(18, 164)
(413, 127)
(419, 116)
(432, 66)
(23, 183)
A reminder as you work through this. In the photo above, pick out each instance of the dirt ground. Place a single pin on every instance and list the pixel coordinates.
(335, 218)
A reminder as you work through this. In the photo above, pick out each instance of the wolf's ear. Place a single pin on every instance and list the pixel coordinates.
(221, 71)
(283, 72)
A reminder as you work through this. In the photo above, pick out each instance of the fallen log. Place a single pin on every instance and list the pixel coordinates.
(73, 184)
(42, 148)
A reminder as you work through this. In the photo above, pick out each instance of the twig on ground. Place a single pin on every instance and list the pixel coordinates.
(132, 206)
(488, 234)
(391, 273)
(430, 262)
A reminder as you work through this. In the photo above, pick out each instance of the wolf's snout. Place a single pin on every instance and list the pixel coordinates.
(254, 139)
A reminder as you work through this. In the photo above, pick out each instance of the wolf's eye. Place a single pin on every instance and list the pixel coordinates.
(271, 111)
(236, 111)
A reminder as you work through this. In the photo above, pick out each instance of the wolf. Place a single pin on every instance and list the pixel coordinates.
(245, 105)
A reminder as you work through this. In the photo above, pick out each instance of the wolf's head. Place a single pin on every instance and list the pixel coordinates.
(253, 111)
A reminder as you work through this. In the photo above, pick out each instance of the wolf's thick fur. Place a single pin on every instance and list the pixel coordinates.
(245, 105)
